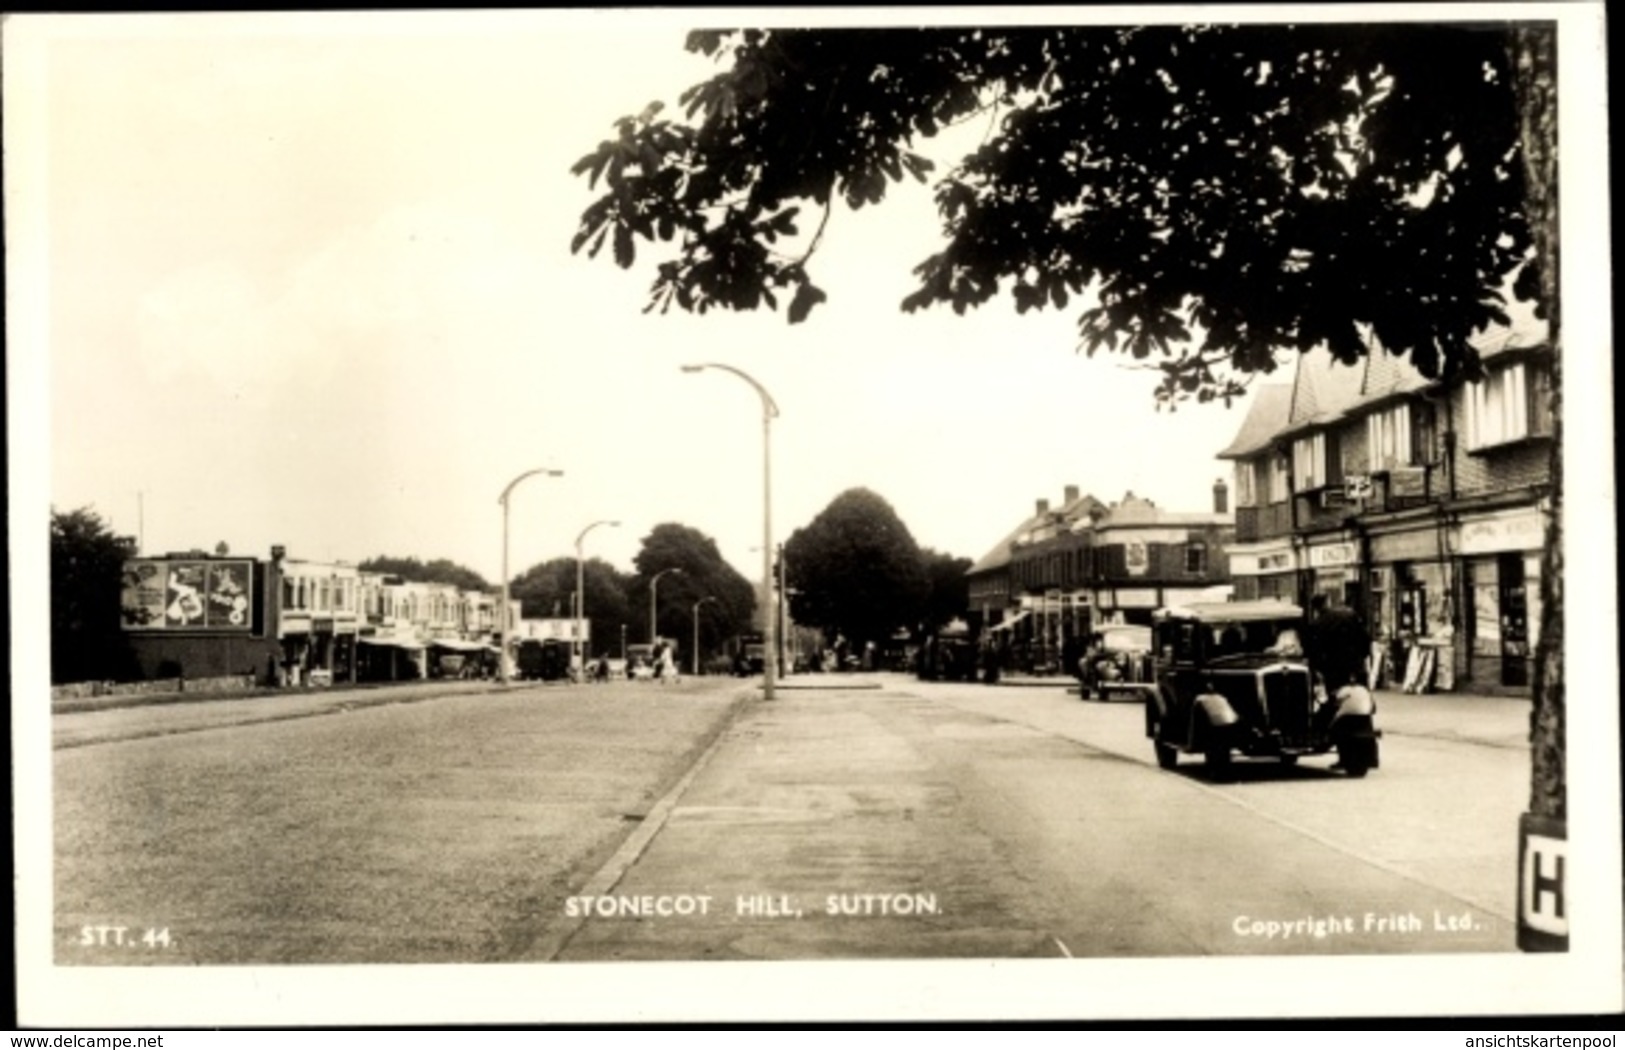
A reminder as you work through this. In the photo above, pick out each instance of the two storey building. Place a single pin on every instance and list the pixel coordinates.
(1418, 504)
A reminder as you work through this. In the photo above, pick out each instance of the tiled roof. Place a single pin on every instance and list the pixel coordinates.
(1084, 506)
(1324, 389)
(1265, 418)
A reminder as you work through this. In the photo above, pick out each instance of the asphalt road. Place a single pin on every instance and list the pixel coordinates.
(938, 821)
(912, 821)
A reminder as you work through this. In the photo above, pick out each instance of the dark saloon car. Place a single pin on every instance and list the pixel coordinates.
(1117, 662)
(1232, 677)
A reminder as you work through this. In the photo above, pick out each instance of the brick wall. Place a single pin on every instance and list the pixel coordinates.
(204, 656)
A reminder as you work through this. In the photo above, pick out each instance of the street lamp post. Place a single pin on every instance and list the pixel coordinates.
(653, 584)
(581, 598)
(696, 618)
(769, 410)
(507, 619)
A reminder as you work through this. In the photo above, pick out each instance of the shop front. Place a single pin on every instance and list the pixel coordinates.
(1500, 573)
(1334, 571)
(1264, 570)
(1411, 605)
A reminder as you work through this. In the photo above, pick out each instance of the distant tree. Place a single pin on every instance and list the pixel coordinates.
(949, 594)
(87, 568)
(440, 570)
(856, 570)
(546, 591)
(543, 591)
(704, 574)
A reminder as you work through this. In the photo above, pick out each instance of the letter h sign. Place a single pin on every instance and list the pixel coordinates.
(1543, 918)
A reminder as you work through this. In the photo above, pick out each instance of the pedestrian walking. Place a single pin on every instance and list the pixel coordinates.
(1338, 645)
(666, 664)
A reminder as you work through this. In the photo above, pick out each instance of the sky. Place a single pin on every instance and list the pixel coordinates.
(310, 284)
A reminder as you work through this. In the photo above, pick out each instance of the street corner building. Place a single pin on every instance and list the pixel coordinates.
(1069, 570)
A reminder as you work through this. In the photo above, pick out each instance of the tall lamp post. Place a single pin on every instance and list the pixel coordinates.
(653, 584)
(581, 598)
(505, 614)
(769, 410)
(696, 618)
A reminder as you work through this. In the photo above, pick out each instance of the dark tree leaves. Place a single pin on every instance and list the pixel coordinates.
(1213, 194)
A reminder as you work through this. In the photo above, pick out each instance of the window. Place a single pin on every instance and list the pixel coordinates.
(1196, 558)
(1508, 405)
(1388, 438)
(1246, 494)
(1278, 478)
(1309, 462)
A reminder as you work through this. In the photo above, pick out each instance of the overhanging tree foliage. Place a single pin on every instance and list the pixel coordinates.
(1206, 195)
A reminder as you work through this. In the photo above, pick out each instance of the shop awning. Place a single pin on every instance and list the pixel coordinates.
(1008, 624)
(394, 643)
(457, 645)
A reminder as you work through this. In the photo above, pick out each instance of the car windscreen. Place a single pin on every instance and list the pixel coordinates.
(1134, 639)
(1256, 637)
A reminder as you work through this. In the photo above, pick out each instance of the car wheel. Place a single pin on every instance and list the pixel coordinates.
(1217, 759)
(1289, 760)
(1167, 755)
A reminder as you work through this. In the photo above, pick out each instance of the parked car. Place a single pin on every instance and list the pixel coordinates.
(1117, 662)
(1232, 677)
(543, 660)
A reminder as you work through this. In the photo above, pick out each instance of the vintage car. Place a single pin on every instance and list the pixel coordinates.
(1117, 662)
(1232, 677)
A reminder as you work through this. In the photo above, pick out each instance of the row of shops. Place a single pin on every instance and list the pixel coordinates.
(290, 622)
(1452, 595)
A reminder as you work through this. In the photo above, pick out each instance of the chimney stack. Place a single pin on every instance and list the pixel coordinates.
(1043, 507)
(1072, 494)
(1221, 497)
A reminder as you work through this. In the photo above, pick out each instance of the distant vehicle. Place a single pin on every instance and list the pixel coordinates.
(640, 658)
(1118, 663)
(546, 660)
(750, 654)
(1232, 677)
(948, 657)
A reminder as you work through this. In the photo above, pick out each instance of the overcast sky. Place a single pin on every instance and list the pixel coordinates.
(310, 284)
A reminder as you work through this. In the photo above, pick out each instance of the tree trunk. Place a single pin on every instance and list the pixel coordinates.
(1534, 64)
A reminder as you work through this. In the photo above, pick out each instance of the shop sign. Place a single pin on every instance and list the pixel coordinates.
(1511, 532)
(1407, 483)
(1333, 556)
(191, 594)
(1257, 564)
(1413, 545)
(1543, 919)
(1137, 597)
(1135, 557)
